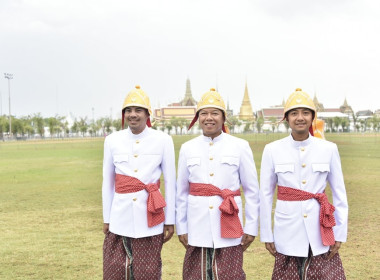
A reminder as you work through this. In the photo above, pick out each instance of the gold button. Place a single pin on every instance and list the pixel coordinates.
(136, 155)
(302, 149)
(211, 158)
(211, 207)
(135, 170)
(135, 199)
(211, 174)
(303, 181)
(303, 164)
(305, 215)
(137, 141)
(211, 143)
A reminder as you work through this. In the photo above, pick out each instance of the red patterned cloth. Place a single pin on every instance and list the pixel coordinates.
(209, 263)
(310, 268)
(155, 202)
(126, 258)
(229, 219)
(326, 214)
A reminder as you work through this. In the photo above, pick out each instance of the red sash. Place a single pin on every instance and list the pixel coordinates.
(155, 202)
(326, 214)
(229, 219)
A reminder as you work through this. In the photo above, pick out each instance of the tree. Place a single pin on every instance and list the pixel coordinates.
(232, 123)
(273, 123)
(116, 124)
(329, 122)
(2, 127)
(17, 127)
(363, 125)
(75, 127)
(355, 120)
(259, 124)
(168, 126)
(337, 121)
(286, 124)
(375, 122)
(176, 123)
(28, 126)
(38, 123)
(54, 124)
(107, 122)
(247, 127)
(183, 124)
(345, 124)
(83, 126)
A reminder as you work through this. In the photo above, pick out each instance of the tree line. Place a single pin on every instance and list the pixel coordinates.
(33, 126)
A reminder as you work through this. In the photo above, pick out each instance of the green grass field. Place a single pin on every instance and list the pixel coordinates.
(51, 217)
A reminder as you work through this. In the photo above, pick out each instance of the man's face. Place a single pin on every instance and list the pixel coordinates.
(300, 120)
(136, 118)
(211, 121)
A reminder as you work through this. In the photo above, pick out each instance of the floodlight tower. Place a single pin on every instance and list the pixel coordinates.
(9, 77)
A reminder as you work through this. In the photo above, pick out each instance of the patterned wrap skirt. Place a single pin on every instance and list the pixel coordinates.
(128, 258)
(213, 264)
(310, 268)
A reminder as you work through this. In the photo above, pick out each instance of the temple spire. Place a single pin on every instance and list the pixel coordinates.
(246, 112)
(188, 100)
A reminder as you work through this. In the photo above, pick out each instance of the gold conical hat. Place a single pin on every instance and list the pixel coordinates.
(299, 99)
(137, 97)
(211, 99)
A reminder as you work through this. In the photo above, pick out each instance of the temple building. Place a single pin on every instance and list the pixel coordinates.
(246, 113)
(345, 108)
(188, 100)
(185, 109)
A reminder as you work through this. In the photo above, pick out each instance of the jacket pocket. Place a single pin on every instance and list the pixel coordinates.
(193, 161)
(284, 168)
(320, 167)
(120, 158)
(230, 160)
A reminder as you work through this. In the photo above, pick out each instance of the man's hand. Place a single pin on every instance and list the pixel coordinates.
(334, 249)
(106, 228)
(246, 241)
(183, 239)
(168, 232)
(271, 248)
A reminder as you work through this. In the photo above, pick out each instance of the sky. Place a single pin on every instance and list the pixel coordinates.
(84, 56)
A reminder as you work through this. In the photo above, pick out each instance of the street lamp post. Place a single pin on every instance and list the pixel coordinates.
(9, 77)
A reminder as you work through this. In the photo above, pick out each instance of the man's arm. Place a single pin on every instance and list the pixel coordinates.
(339, 195)
(248, 178)
(168, 170)
(182, 195)
(268, 181)
(108, 186)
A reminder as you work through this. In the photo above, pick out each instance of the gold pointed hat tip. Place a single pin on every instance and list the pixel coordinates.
(298, 89)
(212, 89)
(137, 86)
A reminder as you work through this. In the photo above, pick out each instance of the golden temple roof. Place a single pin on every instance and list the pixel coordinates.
(246, 112)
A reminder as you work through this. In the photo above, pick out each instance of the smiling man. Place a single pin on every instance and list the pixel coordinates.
(209, 207)
(135, 225)
(307, 232)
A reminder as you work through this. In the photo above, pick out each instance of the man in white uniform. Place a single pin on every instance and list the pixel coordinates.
(307, 232)
(209, 212)
(135, 224)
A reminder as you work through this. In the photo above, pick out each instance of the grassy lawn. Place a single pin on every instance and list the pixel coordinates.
(51, 218)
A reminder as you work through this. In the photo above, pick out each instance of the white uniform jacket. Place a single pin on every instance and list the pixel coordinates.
(225, 162)
(305, 165)
(143, 156)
